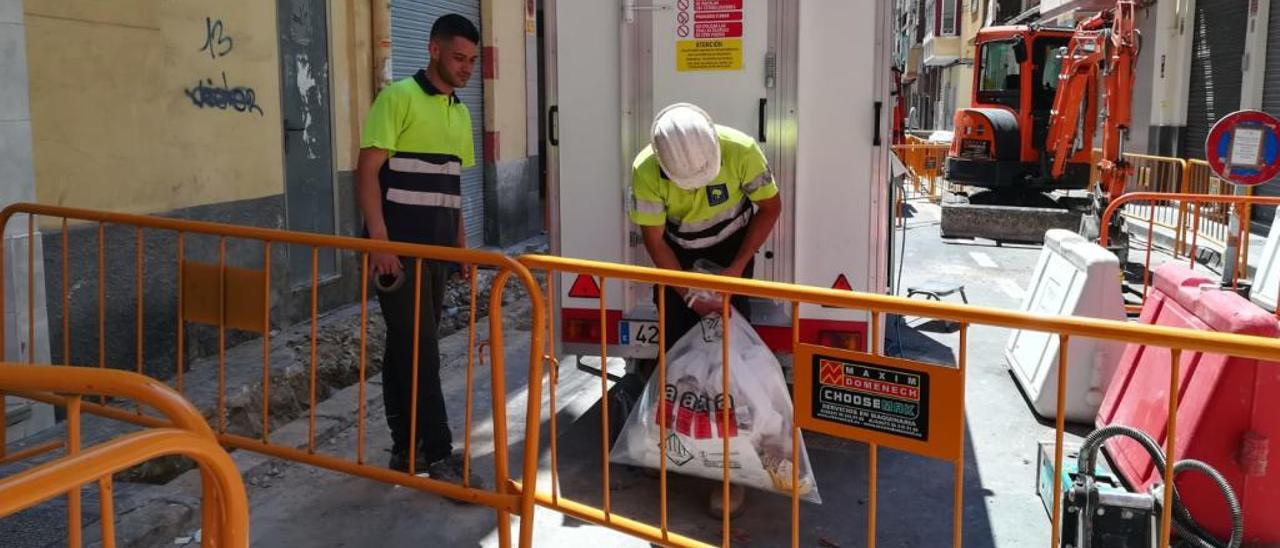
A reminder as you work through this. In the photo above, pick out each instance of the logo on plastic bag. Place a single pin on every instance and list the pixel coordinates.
(711, 330)
(677, 453)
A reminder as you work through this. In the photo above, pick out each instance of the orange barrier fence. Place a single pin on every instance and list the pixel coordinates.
(1157, 174)
(946, 398)
(1208, 223)
(1215, 218)
(224, 507)
(925, 164)
(241, 299)
(1190, 239)
(217, 294)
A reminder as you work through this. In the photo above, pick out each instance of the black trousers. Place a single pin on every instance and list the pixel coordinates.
(679, 318)
(434, 439)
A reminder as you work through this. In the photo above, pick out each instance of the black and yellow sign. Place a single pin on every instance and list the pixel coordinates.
(709, 55)
(912, 406)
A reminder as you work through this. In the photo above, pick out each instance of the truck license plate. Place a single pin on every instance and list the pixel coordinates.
(637, 332)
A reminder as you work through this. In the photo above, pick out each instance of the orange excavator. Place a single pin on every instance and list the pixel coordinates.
(1036, 106)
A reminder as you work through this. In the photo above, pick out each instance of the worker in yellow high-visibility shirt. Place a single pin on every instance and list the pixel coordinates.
(702, 193)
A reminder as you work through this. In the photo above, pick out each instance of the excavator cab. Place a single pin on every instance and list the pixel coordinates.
(1000, 141)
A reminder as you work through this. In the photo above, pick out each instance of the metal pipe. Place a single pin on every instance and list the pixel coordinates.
(74, 518)
(1064, 345)
(30, 488)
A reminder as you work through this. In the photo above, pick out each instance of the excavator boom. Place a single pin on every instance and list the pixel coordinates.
(1102, 52)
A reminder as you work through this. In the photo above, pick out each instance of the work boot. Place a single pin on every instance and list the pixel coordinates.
(449, 469)
(399, 461)
(737, 496)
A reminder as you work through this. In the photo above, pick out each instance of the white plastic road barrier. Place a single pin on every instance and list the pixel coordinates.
(1073, 277)
(1266, 284)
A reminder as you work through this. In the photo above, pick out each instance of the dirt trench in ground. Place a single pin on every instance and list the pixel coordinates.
(337, 363)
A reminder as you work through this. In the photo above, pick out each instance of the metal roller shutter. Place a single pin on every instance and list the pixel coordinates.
(1270, 103)
(411, 22)
(1216, 68)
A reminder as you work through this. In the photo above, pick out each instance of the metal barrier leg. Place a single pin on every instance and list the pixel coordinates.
(1064, 342)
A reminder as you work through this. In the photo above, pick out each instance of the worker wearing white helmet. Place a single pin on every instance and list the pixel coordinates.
(702, 193)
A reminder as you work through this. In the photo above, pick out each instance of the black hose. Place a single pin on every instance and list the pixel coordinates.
(1185, 525)
(1233, 503)
(902, 259)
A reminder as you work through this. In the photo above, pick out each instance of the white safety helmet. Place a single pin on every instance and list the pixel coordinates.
(687, 146)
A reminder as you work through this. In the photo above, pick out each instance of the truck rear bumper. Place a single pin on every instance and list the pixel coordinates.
(581, 334)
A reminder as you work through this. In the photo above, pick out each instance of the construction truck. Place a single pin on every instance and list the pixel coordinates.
(810, 80)
(1040, 94)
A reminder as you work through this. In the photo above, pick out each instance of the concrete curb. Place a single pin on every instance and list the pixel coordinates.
(1004, 223)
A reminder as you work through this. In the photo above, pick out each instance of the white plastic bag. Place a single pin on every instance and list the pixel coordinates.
(760, 414)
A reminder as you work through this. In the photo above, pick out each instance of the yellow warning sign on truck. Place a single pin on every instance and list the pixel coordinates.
(709, 55)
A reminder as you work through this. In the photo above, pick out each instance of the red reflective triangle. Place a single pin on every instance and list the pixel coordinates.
(585, 287)
(842, 283)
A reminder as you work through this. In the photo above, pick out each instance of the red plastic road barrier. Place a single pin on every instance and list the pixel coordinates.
(1228, 408)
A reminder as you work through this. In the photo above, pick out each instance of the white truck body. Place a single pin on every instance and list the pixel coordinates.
(812, 81)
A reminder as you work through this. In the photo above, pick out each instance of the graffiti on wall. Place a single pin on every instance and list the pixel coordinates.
(209, 93)
(216, 42)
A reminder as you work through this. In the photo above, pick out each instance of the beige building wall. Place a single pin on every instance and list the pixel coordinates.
(130, 110)
(349, 70)
(973, 14)
(503, 27)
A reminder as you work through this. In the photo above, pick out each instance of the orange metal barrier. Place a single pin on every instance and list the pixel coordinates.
(925, 162)
(1152, 174)
(225, 510)
(1157, 174)
(1221, 204)
(945, 442)
(1205, 222)
(1215, 218)
(227, 297)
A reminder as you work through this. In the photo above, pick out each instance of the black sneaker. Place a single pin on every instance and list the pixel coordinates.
(449, 469)
(399, 461)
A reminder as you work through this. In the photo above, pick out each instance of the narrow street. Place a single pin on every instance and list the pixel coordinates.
(1002, 508)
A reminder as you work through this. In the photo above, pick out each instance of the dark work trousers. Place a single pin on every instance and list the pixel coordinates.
(679, 318)
(435, 441)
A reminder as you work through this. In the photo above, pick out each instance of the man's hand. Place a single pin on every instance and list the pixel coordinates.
(733, 271)
(707, 307)
(464, 272)
(705, 303)
(385, 263)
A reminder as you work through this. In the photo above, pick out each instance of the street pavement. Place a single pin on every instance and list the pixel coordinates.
(308, 507)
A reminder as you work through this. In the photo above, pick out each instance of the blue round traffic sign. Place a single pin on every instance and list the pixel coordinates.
(1244, 147)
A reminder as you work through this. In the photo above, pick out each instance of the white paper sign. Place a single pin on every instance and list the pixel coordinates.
(1246, 147)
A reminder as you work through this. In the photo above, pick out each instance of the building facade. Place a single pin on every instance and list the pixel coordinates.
(245, 112)
(1200, 60)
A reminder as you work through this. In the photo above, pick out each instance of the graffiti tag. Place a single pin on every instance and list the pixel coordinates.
(216, 42)
(207, 94)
